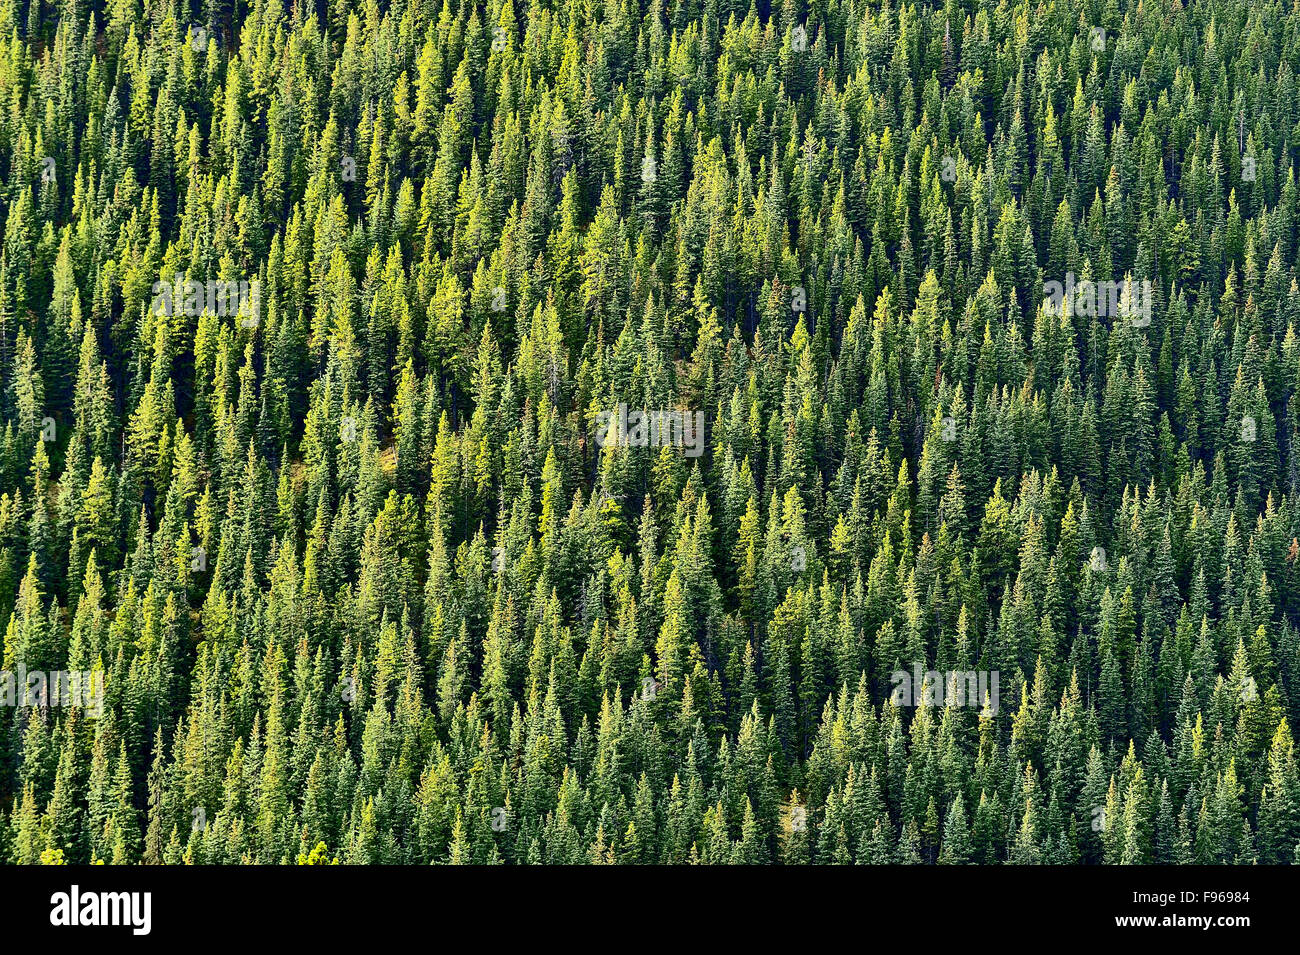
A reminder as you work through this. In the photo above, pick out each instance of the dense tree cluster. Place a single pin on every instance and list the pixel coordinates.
(359, 580)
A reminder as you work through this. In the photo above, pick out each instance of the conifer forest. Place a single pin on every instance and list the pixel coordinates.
(649, 432)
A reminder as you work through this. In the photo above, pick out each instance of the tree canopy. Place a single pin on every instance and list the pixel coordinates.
(309, 317)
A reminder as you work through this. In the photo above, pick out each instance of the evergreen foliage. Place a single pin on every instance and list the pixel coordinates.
(362, 584)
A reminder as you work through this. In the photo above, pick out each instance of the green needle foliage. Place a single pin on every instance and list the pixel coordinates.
(326, 330)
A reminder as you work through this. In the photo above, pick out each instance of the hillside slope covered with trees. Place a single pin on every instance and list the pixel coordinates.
(323, 332)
